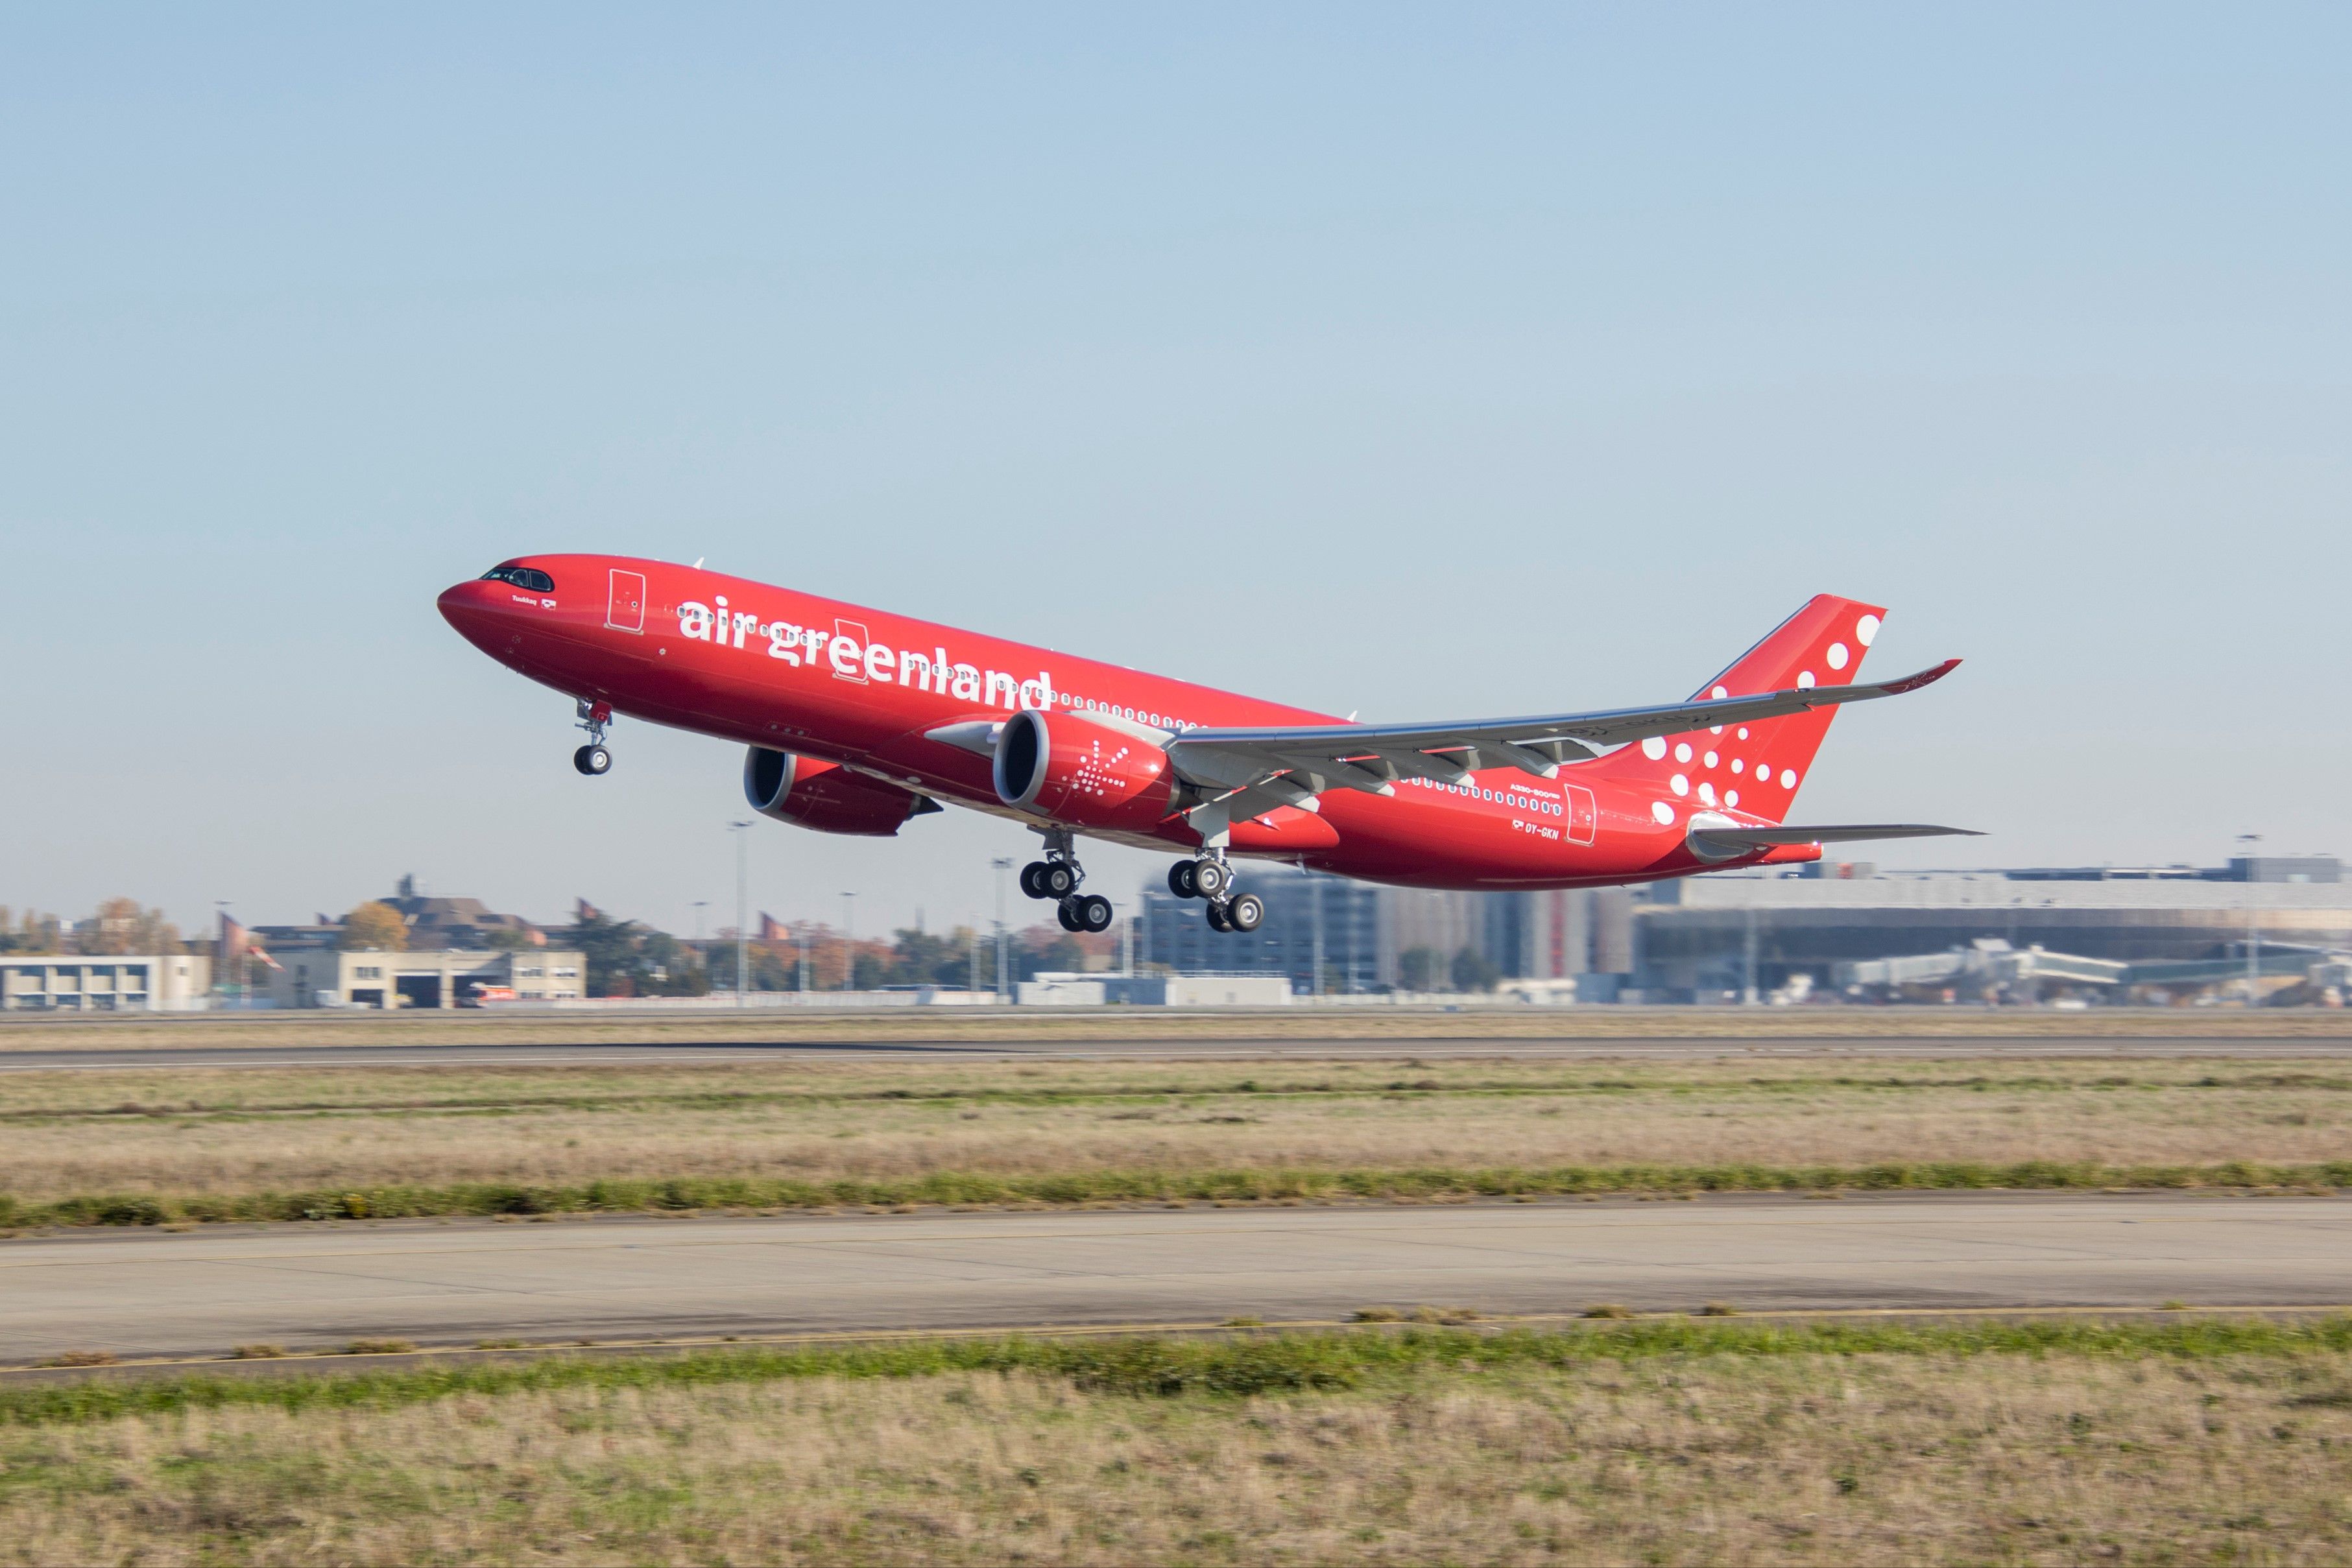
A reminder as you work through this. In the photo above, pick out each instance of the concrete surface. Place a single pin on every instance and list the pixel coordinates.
(1620, 1048)
(199, 1293)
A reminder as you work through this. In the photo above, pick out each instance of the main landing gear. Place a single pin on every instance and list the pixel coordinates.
(1210, 879)
(593, 758)
(1057, 877)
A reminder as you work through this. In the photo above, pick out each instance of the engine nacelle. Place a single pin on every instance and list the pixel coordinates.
(1075, 770)
(827, 796)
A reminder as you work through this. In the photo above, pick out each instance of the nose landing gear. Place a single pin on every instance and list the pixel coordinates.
(593, 758)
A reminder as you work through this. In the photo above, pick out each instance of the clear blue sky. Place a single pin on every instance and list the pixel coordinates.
(1428, 362)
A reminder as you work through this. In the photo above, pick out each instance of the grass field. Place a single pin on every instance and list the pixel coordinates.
(2161, 1440)
(249, 1143)
(1077, 1028)
(1651, 1443)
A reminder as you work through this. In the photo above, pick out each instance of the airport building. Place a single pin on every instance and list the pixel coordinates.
(337, 977)
(1305, 914)
(2153, 933)
(433, 922)
(1363, 933)
(2174, 928)
(103, 983)
(1202, 990)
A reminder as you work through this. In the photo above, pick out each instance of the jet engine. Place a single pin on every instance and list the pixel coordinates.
(1075, 770)
(827, 796)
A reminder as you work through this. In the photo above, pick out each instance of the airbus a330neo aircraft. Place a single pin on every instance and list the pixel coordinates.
(857, 721)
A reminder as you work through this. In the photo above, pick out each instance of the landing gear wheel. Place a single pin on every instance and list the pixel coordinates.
(1030, 875)
(1247, 912)
(1180, 881)
(1057, 879)
(592, 760)
(1217, 922)
(1093, 913)
(1212, 878)
(1067, 911)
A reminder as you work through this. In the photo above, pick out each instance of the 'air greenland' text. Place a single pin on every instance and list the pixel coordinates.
(854, 656)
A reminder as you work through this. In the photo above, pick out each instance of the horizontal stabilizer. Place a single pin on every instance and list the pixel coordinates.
(1739, 839)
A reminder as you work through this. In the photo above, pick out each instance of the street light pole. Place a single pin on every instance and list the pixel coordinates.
(848, 941)
(1315, 891)
(1001, 865)
(2253, 940)
(220, 945)
(1748, 956)
(743, 831)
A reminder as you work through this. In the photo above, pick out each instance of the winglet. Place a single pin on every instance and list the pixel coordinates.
(1712, 831)
(1924, 678)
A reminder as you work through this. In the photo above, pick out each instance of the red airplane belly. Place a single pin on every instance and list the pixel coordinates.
(1436, 842)
(950, 769)
(575, 666)
(1286, 829)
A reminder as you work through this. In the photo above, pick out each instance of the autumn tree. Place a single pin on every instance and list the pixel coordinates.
(121, 926)
(630, 958)
(1473, 971)
(923, 958)
(375, 927)
(1421, 969)
(32, 932)
(1047, 949)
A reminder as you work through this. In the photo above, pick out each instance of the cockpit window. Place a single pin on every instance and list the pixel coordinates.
(522, 577)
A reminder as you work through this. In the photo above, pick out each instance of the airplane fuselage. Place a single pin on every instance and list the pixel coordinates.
(911, 705)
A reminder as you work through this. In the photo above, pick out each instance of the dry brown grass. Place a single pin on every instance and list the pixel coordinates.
(1795, 1460)
(1078, 1028)
(198, 1131)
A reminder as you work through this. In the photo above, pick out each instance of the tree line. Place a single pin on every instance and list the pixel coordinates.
(118, 925)
(630, 958)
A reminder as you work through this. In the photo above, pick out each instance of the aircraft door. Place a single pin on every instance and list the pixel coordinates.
(1583, 819)
(624, 610)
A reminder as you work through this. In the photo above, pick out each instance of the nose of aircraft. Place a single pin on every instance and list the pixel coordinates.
(474, 608)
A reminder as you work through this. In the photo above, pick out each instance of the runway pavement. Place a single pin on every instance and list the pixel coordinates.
(199, 1293)
(1620, 1048)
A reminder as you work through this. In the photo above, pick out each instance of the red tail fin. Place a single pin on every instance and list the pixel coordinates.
(1757, 768)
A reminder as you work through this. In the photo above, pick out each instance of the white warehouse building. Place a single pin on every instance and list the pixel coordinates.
(458, 977)
(103, 982)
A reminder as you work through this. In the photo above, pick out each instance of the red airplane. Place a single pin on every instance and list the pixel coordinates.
(859, 720)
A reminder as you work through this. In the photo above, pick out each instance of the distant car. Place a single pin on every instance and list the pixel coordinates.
(474, 996)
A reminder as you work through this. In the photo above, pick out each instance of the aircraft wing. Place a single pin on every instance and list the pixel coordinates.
(1248, 771)
(1731, 835)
